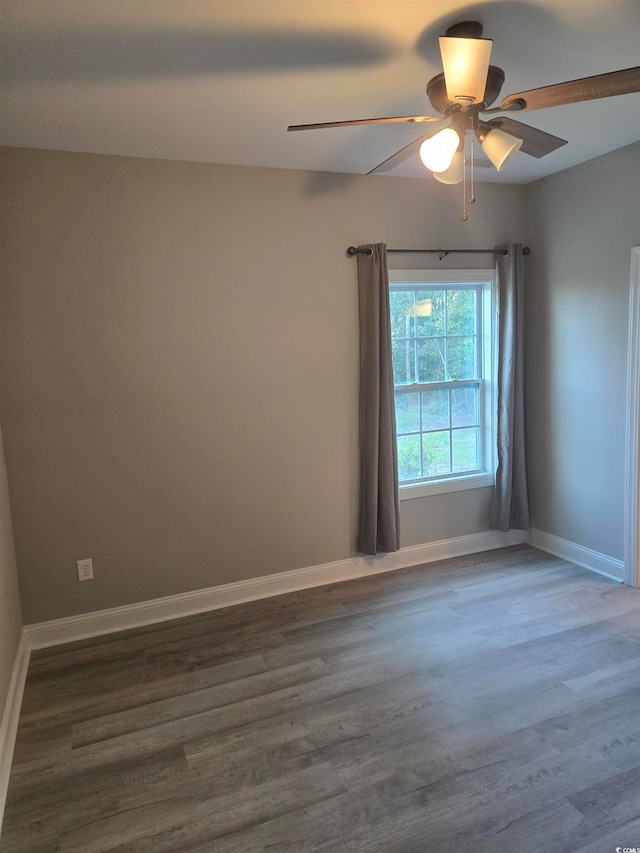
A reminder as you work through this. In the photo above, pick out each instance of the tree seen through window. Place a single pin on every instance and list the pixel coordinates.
(437, 365)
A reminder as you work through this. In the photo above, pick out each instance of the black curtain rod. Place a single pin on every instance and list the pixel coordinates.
(352, 250)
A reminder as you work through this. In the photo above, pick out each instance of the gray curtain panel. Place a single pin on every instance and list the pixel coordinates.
(379, 522)
(511, 503)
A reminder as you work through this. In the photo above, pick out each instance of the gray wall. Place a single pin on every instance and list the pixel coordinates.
(10, 614)
(180, 368)
(582, 225)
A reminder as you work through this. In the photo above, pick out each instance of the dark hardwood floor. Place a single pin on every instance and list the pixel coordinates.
(486, 703)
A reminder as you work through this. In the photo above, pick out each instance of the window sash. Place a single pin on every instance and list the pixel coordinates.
(476, 424)
(477, 333)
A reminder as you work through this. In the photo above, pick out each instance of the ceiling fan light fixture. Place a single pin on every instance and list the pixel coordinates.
(466, 64)
(437, 152)
(499, 146)
(455, 172)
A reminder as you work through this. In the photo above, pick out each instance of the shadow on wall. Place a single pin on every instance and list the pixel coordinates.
(320, 183)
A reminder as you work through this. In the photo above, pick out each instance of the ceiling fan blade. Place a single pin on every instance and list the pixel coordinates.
(391, 120)
(536, 143)
(401, 155)
(622, 82)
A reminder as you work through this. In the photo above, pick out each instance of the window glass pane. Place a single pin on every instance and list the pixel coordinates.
(409, 457)
(401, 308)
(407, 412)
(465, 450)
(431, 360)
(430, 312)
(435, 453)
(435, 409)
(436, 340)
(404, 362)
(464, 407)
(461, 312)
(461, 358)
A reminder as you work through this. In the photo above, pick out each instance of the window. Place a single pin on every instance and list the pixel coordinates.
(442, 334)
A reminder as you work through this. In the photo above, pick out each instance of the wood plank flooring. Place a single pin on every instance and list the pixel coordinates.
(486, 703)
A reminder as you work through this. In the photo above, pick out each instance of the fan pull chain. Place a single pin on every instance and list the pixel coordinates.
(464, 180)
(472, 197)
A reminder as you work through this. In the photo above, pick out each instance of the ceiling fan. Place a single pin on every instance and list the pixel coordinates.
(463, 94)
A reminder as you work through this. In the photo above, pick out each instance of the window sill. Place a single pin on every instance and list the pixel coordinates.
(423, 490)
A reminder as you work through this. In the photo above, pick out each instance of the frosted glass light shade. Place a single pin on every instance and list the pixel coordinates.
(455, 172)
(438, 151)
(466, 64)
(500, 147)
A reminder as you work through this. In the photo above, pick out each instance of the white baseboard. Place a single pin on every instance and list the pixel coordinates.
(43, 634)
(11, 716)
(585, 557)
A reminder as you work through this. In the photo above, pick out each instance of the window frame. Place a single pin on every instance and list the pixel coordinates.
(486, 278)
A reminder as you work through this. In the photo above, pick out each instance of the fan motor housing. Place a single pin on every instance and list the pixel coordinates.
(440, 101)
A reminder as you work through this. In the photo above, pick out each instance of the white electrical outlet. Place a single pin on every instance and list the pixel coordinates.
(85, 570)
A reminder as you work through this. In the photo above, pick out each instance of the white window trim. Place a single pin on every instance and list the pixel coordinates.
(486, 477)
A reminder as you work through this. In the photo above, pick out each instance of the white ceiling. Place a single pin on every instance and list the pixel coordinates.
(220, 81)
